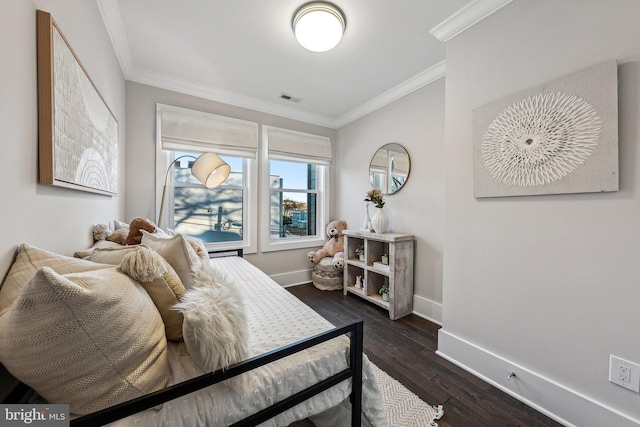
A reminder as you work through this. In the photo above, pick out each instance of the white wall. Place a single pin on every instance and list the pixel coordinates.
(548, 284)
(30, 211)
(417, 122)
(286, 267)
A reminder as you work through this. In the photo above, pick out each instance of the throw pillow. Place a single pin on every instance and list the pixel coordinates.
(111, 255)
(90, 339)
(199, 248)
(29, 260)
(86, 253)
(178, 253)
(162, 284)
(117, 225)
(215, 323)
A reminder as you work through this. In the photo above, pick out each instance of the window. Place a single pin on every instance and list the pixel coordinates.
(223, 217)
(292, 200)
(213, 215)
(295, 183)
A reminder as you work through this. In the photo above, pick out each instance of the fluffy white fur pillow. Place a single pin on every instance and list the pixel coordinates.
(215, 321)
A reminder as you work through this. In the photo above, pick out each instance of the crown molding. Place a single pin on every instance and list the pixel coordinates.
(466, 18)
(164, 82)
(112, 21)
(416, 82)
(460, 21)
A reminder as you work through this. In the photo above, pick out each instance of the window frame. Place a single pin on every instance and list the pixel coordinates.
(256, 209)
(322, 203)
(250, 199)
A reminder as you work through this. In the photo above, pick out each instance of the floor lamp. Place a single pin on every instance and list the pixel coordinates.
(209, 169)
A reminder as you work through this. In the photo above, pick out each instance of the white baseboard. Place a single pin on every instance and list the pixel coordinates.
(292, 278)
(427, 309)
(558, 402)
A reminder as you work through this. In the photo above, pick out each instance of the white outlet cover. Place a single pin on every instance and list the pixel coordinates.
(634, 376)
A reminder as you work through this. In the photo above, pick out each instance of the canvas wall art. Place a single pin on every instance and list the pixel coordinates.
(557, 138)
(77, 132)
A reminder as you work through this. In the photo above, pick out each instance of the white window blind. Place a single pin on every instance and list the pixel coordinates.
(285, 144)
(182, 129)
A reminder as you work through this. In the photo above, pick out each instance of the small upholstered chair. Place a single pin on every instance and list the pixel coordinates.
(325, 276)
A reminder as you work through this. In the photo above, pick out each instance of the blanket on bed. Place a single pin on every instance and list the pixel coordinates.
(275, 318)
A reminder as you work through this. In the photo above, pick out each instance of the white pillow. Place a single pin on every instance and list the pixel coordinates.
(100, 244)
(112, 255)
(119, 224)
(90, 339)
(199, 248)
(178, 253)
(215, 322)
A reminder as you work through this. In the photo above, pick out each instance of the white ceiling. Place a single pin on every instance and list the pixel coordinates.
(244, 52)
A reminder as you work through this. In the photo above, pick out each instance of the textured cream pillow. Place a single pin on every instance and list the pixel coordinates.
(178, 252)
(29, 260)
(162, 284)
(90, 339)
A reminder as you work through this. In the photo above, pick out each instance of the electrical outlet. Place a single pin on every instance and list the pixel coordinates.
(624, 373)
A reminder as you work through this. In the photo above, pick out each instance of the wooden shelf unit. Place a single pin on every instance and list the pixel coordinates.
(398, 275)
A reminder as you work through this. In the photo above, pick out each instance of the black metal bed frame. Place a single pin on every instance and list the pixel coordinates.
(18, 392)
(354, 371)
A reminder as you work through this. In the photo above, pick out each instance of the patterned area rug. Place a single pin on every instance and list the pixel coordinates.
(402, 407)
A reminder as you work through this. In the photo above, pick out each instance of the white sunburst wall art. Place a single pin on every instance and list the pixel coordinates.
(561, 137)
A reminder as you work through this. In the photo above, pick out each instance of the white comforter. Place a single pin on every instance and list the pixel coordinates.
(276, 318)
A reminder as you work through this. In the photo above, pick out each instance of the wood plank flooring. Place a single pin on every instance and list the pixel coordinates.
(405, 349)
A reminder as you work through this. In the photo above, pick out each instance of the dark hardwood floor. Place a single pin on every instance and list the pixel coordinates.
(405, 349)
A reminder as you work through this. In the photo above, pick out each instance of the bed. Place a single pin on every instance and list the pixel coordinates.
(292, 353)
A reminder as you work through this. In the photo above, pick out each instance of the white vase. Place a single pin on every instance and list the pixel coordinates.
(385, 297)
(380, 221)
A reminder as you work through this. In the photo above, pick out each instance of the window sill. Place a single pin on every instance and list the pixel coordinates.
(276, 245)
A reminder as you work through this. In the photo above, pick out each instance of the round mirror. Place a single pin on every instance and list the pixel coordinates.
(389, 168)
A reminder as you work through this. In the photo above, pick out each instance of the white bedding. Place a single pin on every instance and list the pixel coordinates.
(276, 318)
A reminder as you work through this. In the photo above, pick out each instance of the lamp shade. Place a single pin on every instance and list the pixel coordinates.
(319, 26)
(210, 170)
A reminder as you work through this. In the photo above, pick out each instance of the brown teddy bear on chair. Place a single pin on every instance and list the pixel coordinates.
(334, 247)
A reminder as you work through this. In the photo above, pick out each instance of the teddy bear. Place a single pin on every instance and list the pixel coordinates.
(334, 247)
(102, 232)
(135, 235)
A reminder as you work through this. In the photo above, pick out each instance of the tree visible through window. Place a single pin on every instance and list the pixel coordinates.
(293, 199)
(213, 215)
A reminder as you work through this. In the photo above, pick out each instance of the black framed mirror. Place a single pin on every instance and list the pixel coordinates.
(389, 168)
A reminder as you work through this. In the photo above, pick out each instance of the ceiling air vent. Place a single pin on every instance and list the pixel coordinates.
(290, 98)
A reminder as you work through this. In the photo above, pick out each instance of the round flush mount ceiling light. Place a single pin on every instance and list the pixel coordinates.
(319, 26)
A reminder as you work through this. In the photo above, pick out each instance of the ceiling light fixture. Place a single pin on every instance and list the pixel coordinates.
(318, 26)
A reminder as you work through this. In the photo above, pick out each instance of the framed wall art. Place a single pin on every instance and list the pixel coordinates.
(77, 132)
(560, 137)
